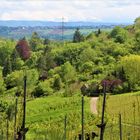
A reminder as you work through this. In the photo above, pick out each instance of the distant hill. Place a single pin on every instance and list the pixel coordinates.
(52, 30)
(16, 23)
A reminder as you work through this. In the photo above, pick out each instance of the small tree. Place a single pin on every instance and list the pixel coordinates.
(98, 32)
(131, 67)
(119, 34)
(69, 76)
(2, 86)
(78, 37)
(57, 82)
(35, 41)
(68, 73)
(46, 41)
(7, 69)
(23, 49)
(137, 23)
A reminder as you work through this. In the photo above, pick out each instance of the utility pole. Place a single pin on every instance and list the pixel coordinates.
(82, 117)
(102, 126)
(120, 126)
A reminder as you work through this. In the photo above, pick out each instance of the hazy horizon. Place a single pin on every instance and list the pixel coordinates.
(105, 11)
(90, 21)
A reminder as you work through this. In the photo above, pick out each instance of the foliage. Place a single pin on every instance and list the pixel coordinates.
(78, 37)
(53, 110)
(137, 37)
(15, 79)
(131, 66)
(128, 106)
(23, 49)
(2, 85)
(43, 89)
(137, 23)
(119, 34)
(59, 69)
(68, 73)
(57, 82)
(35, 41)
(7, 68)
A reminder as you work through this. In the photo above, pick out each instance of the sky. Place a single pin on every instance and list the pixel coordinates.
(71, 10)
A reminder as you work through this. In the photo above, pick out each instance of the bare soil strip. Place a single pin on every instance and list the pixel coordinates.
(93, 105)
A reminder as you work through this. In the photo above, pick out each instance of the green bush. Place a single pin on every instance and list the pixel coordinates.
(57, 82)
(15, 79)
(43, 89)
(118, 89)
(131, 67)
(119, 34)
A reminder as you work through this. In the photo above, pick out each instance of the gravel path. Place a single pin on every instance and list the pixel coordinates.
(93, 105)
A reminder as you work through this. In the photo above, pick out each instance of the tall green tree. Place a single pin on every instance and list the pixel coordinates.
(6, 49)
(137, 23)
(119, 34)
(35, 41)
(78, 37)
(46, 61)
(131, 66)
(46, 41)
(7, 69)
(16, 61)
(2, 85)
(68, 73)
(57, 82)
(137, 41)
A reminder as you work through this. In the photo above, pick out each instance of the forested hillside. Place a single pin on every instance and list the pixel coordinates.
(65, 68)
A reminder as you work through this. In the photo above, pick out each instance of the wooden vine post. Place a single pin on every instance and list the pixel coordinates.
(102, 126)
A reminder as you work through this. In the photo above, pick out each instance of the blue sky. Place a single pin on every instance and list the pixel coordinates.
(71, 10)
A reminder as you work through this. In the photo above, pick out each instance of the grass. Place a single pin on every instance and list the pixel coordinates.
(128, 105)
(125, 104)
(45, 117)
(46, 114)
(52, 107)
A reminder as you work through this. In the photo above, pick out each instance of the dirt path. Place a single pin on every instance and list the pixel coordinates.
(93, 105)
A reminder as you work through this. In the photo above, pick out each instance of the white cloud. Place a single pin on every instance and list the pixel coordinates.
(95, 10)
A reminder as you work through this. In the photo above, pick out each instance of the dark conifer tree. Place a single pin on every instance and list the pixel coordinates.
(7, 69)
(35, 41)
(78, 37)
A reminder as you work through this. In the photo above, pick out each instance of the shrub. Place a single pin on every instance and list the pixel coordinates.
(57, 82)
(118, 89)
(119, 34)
(131, 67)
(43, 89)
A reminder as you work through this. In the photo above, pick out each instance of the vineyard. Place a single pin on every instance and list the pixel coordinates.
(52, 117)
